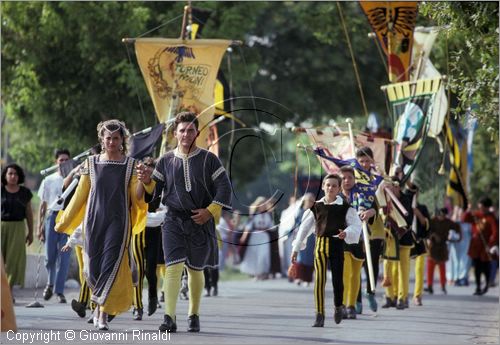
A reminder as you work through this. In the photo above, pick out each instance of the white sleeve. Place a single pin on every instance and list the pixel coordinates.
(76, 238)
(41, 190)
(354, 225)
(155, 219)
(306, 228)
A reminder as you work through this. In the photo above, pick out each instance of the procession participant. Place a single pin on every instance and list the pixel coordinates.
(195, 187)
(335, 222)
(439, 230)
(75, 241)
(484, 243)
(367, 182)
(106, 201)
(395, 227)
(305, 260)
(419, 251)
(354, 254)
(406, 243)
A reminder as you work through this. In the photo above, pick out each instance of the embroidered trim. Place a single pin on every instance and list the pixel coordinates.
(200, 268)
(113, 162)
(187, 177)
(173, 262)
(217, 173)
(183, 155)
(222, 204)
(158, 175)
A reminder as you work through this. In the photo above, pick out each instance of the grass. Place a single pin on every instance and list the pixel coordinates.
(230, 273)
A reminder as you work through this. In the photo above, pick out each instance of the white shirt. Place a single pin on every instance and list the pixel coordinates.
(50, 190)
(155, 219)
(76, 238)
(287, 220)
(308, 223)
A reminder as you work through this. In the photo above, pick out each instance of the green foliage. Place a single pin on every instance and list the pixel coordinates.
(64, 69)
(469, 49)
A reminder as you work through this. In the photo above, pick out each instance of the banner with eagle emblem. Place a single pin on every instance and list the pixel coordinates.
(411, 105)
(393, 22)
(180, 76)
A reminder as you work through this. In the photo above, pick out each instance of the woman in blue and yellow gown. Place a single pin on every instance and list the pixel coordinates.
(106, 202)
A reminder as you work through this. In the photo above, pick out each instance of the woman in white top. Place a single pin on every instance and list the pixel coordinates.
(257, 259)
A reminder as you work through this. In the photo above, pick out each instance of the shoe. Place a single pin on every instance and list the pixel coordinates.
(78, 307)
(193, 323)
(484, 290)
(207, 294)
(359, 308)
(338, 314)
(443, 289)
(351, 313)
(111, 317)
(47, 293)
(152, 305)
(90, 319)
(389, 303)
(406, 304)
(417, 300)
(61, 298)
(162, 297)
(137, 314)
(400, 305)
(215, 291)
(344, 312)
(429, 289)
(184, 294)
(477, 292)
(372, 302)
(103, 326)
(320, 320)
(168, 325)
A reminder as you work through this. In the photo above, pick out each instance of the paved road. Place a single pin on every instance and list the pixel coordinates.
(275, 312)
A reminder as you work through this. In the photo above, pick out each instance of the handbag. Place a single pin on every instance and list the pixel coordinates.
(292, 271)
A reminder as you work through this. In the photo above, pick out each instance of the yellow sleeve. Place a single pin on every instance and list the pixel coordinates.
(139, 208)
(377, 227)
(215, 210)
(149, 188)
(69, 219)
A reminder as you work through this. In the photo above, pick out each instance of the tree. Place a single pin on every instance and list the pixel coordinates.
(469, 50)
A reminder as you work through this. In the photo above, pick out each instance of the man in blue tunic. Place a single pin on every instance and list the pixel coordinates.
(194, 187)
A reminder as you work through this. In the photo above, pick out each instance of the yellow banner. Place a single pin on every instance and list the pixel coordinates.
(393, 22)
(180, 76)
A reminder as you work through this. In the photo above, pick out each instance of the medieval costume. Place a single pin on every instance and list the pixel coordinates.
(106, 201)
(327, 219)
(188, 182)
